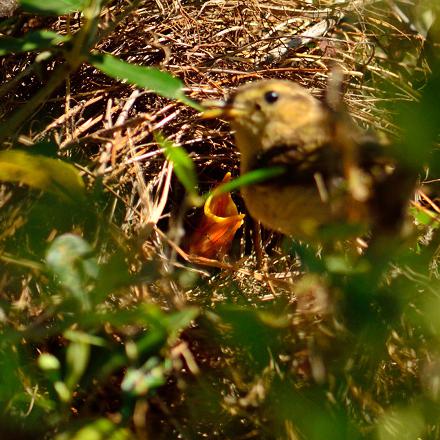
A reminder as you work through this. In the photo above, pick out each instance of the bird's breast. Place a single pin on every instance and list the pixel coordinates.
(296, 210)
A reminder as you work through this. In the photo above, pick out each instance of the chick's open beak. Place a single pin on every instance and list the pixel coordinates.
(221, 109)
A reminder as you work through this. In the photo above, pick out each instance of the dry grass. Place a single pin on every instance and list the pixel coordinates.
(107, 129)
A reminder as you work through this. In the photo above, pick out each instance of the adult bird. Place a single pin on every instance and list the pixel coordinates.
(334, 174)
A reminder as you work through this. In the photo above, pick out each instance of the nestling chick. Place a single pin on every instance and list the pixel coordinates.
(329, 171)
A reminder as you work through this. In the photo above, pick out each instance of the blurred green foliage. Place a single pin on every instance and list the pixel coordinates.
(82, 359)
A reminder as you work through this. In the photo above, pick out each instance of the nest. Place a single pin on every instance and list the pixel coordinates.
(108, 127)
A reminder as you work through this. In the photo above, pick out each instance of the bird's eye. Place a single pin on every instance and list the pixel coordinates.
(271, 97)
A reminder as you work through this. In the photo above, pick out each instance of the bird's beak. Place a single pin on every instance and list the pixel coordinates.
(221, 109)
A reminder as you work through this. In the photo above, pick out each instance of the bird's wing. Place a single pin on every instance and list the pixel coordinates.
(301, 167)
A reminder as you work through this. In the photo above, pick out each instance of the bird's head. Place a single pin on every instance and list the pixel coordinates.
(269, 113)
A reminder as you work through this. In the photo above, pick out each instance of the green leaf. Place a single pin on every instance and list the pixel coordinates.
(156, 80)
(256, 333)
(36, 40)
(101, 429)
(152, 341)
(153, 374)
(77, 358)
(183, 165)
(307, 255)
(53, 7)
(48, 362)
(250, 178)
(425, 217)
(161, 327)
(85, 338)
(40, 172)
(341, 264)
(63, 392)
(401, 424)
(419, 123)
(69, 258)
(51, 367)
(340, 231)
(179, 320)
